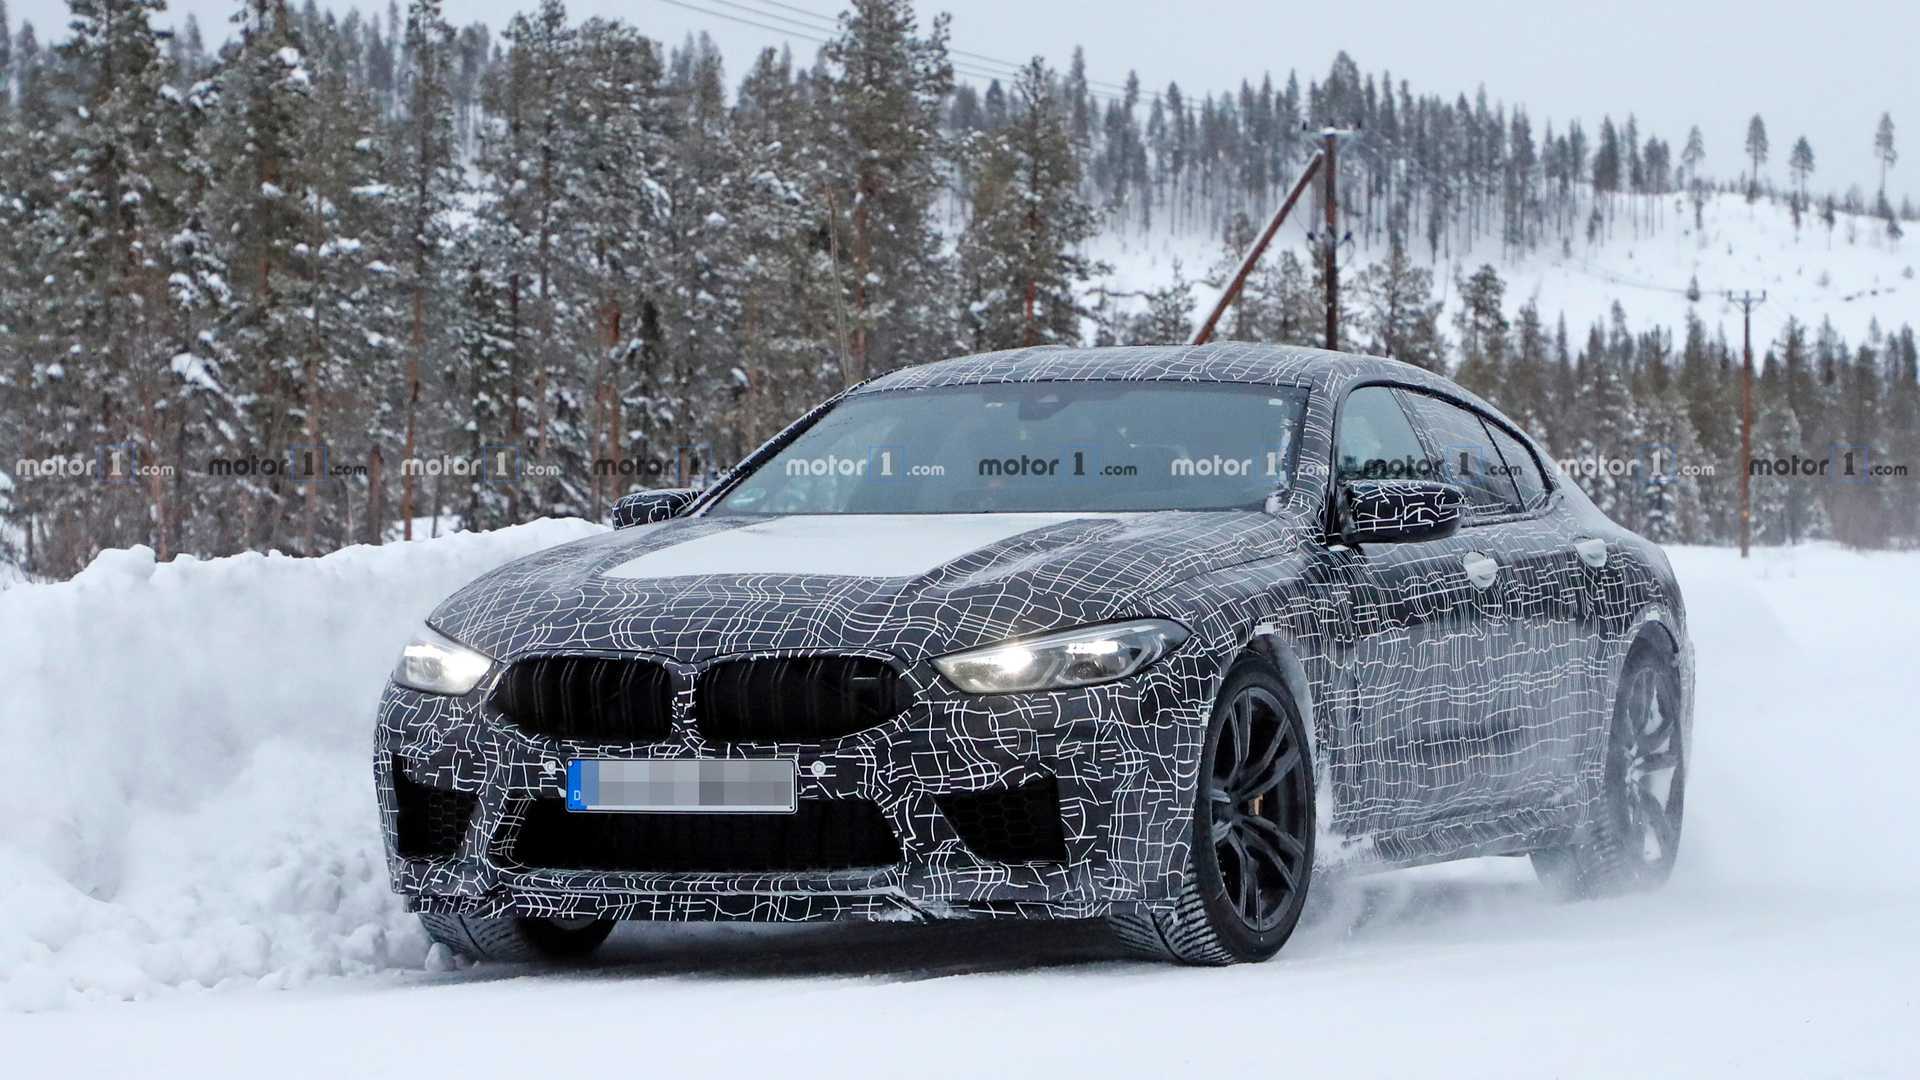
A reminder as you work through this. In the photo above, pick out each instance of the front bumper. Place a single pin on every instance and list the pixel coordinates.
(1122, 756)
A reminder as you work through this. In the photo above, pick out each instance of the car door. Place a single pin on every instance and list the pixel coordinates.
(1418, 651)
(1521, 751)
(1559, 570)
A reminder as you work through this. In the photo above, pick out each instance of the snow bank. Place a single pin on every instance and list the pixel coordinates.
(186, 777)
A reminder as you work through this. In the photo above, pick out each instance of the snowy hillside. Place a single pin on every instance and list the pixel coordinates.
(188, 783)
(1854, 276)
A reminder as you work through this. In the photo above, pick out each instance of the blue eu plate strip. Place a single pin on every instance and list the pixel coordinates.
(583, 783)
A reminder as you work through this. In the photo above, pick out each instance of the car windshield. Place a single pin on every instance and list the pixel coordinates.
(1037, 446)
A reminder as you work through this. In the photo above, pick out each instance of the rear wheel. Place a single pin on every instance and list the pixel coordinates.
(1634, 836)
(1251, 853)
(516, 939)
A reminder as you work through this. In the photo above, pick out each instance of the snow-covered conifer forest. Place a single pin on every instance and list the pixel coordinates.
(350, 275)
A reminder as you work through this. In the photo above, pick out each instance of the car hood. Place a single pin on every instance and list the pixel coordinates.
(910, 586)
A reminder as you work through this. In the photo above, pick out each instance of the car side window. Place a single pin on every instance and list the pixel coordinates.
(1376, 441)
(1522, 467)
(1467, 455)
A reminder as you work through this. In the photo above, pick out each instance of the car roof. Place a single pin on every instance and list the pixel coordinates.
(1226, 361)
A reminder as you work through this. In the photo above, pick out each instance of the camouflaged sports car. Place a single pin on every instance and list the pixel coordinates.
(1159, 635)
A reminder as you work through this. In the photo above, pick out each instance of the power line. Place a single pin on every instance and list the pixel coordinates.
(772, 15)
(989, 61)
(743, 21)
(979, 66)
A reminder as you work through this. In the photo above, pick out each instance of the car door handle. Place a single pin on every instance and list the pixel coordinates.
(1592, 552)
(1480, 569)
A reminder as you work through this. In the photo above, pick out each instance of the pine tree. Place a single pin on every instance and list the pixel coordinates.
(1607, 421)
(6, 61)
(1019, 255)
(1399, 316)
(1168, 318)
(789, 338)
(1671, 462)
(1800, 163)
(431, 182)
(1481, 324)
(348, 276)
(1858, 499)
(256, 144)
(123, 199)
(1883, 150)
(1786, 507)
(689, 379)
(1694, 153)
(1524, 393)
(881, 104)
(621, 259)
(1902, 446)
(1756, 152)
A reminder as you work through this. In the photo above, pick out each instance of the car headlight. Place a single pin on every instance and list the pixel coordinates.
(1068, 658)
(439, 665)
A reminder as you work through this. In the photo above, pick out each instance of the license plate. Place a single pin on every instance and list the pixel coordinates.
(683, 786)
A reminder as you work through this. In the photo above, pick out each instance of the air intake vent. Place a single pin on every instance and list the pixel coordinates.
(588, 698)
(798, 699)
(823, 834)
(1012, 826)
(432, 821)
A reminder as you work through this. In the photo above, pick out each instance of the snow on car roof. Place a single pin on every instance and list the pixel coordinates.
(1231, 361)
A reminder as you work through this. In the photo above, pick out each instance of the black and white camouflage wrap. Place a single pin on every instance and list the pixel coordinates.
(1447, 720)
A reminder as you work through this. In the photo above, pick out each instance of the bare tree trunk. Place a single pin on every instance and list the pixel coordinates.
(413, 397)
(516, 432)
(317, 456)
(376, 499)
(862, 264)
(546, 299)
(615, 413)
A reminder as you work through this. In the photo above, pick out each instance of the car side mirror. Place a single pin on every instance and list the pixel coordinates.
(1399, 511)
(646, 507)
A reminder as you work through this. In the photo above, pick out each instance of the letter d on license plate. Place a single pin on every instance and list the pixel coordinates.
(682, 786)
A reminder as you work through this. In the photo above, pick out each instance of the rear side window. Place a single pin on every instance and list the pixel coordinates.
(1522, 468)
(1376, 440)
(1467, 455)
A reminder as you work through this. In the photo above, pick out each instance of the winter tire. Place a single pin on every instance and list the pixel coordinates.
(1250, 859)
(1634, 837)
(516, 939)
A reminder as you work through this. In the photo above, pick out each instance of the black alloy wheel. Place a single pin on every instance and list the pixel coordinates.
(1259, 802)
(1251, 859)
(1634, 836)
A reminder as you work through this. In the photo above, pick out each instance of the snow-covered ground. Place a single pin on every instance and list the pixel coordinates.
(1853, 276)
(185, 780)
(186, 792)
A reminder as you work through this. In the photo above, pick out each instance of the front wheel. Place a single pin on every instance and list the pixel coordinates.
(516, 939)
(1634, 836)
(1250, 857)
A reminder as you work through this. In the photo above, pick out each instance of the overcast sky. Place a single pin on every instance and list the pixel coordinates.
(1825, 70)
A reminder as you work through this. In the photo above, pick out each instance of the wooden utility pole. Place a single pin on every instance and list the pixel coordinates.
(1746, 301)
(1330, 139)
(1259, 248)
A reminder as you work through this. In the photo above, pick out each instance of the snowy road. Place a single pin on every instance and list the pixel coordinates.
(1786, 945)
